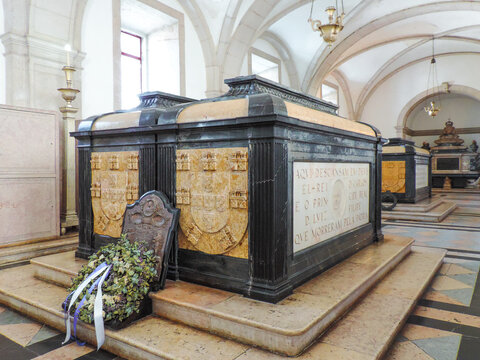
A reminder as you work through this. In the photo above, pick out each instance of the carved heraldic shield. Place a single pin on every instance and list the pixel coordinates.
(393, 176)
(114, 185)
(212, 193)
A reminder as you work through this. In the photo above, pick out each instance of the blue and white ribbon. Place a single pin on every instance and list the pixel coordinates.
(98, 306)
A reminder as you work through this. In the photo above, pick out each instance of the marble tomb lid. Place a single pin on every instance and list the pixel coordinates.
(402, 146)
(249, 96)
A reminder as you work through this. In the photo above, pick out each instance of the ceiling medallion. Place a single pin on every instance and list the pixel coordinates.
(329, 31)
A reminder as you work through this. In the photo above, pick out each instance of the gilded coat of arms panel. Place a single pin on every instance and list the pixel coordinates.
(393, 176)
(114, 185)
(212, 193)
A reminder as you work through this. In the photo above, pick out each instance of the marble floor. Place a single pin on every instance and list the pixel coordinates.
(446, 323)
(22, 338)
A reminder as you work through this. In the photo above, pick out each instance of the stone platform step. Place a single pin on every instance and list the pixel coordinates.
(364, 333)
(289, 326)
(24, 252)
(420, 206)
(436, 214)
(58, 268)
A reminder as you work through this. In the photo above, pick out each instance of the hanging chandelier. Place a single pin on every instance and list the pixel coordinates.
(329, 31)
(432, 83)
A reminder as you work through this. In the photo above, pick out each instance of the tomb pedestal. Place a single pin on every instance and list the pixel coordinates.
(273, 187)
(406, 171)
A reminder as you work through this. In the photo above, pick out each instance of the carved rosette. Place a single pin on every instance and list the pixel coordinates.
(393, 176)
(114, 185)
(212, 193)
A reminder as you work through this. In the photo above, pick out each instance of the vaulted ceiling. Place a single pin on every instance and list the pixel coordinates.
(380, 38)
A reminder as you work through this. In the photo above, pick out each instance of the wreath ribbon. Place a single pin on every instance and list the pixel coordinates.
(102, 269)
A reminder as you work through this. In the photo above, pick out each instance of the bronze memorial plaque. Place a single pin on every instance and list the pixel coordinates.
(212, 193)
(152, 220)
(114, 185)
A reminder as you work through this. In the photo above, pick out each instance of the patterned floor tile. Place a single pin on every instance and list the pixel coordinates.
(417, 332)
(447, 283)
(444, 348)
(454, 269)
(44, 333)
(20, 333)
(441, 297)
(12, 317)
(71, 351)
(407, 351)
(464, 296)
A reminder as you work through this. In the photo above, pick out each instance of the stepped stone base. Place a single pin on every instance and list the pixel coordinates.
(289, 326)
(428, 210)
(365, 332)
(19, 253)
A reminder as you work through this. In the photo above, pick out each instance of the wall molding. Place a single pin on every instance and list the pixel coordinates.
(429, 132)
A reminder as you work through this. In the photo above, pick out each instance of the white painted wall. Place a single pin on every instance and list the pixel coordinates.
(386, 103)
(2, 60)
(195, 76)
(97, 74)
(164, 60)
(462, 110)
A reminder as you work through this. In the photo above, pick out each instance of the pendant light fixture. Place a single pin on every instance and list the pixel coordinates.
(330, 30)
(432, 83)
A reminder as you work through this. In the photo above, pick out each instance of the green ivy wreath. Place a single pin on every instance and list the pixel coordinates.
(126, 286)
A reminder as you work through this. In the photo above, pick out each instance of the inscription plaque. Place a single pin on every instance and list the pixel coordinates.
(448, 164)
(328, 199)
(212, 194)
(421, 176)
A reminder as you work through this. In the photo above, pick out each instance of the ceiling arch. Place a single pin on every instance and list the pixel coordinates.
(323, 63)
(421, 97)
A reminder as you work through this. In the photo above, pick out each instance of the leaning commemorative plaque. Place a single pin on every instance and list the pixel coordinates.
(112, 288)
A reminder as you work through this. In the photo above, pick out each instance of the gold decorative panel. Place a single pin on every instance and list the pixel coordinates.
(212, 193)
(114, 185)
(393, 176)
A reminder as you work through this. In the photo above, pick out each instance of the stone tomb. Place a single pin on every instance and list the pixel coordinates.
(452, 161)
(407, 174)
(273, 187)
(406, 171)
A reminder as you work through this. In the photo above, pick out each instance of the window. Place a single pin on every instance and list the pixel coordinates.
(152, 48)
(330, 93)
(264, 65)
(131, 68)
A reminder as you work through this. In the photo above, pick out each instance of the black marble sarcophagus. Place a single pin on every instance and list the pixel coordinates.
(273, 187)
(406, 171)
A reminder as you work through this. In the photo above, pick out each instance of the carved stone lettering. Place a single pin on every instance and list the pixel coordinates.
(213, 198)
(114, 185)
(393, 176)
(328, 199)
(421, 176)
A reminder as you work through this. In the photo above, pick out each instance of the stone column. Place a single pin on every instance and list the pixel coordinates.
(68, 216)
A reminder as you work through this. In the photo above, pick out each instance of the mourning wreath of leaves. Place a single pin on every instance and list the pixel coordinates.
(126, 286)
